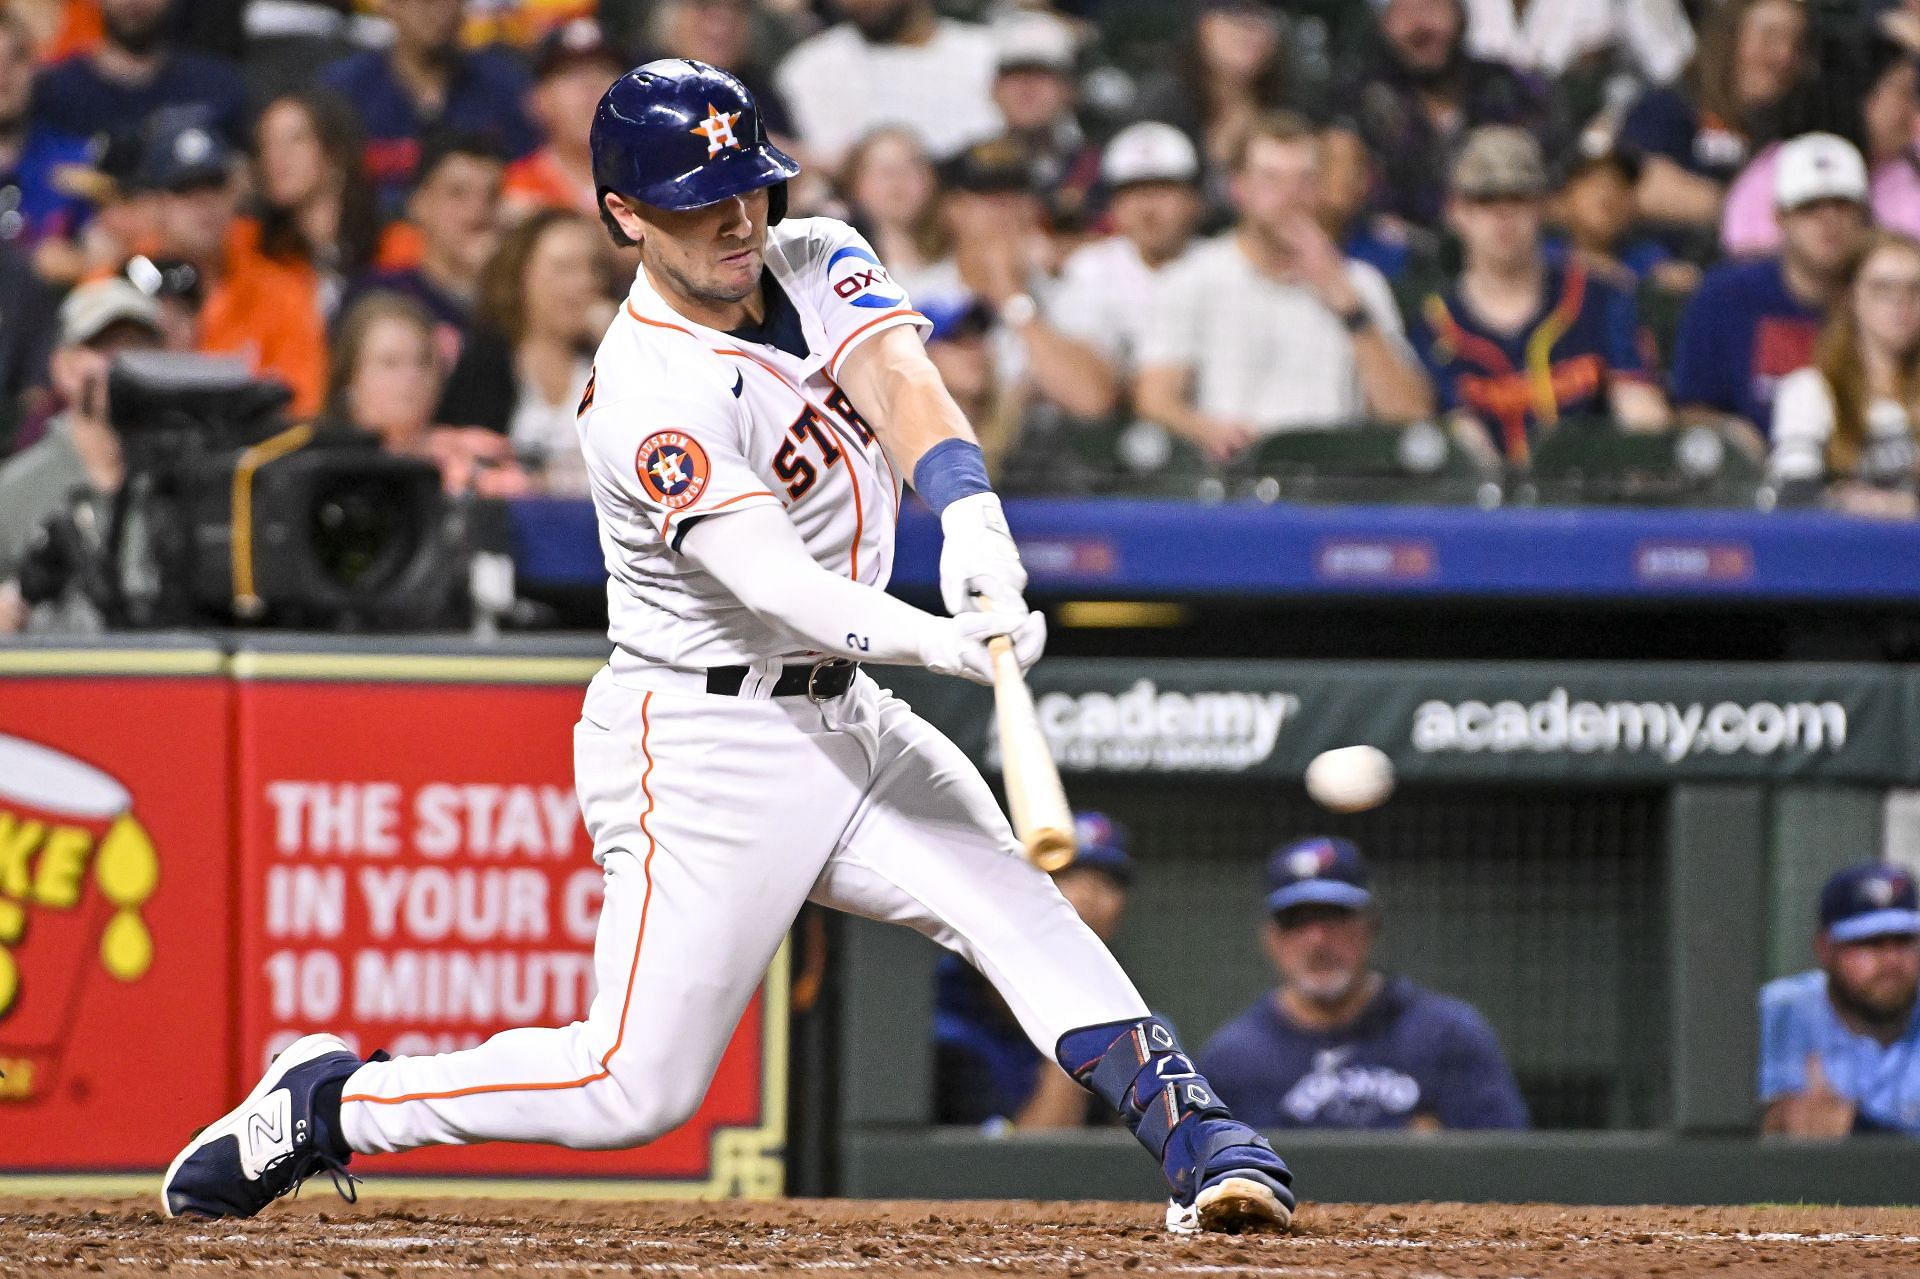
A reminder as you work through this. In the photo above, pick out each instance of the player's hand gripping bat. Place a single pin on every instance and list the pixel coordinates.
(1035, 799)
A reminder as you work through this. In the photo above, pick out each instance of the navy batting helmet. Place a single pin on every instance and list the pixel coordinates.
(678, 134)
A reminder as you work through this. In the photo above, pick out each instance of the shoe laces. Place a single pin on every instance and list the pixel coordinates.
(309, 1163)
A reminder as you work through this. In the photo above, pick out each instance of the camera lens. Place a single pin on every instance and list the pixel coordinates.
(364, 530)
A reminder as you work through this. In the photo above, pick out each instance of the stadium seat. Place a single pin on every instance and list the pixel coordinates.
(1597, 462)
(1366, 462)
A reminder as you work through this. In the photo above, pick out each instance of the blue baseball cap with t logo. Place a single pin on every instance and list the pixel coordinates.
(1320, 870)
(1871, 900)
(1100, 844)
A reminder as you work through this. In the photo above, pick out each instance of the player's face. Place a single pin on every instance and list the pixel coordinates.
(1321, 951)
(1820, 236)
(712, 254)
(1159, 217)
(1879, 977)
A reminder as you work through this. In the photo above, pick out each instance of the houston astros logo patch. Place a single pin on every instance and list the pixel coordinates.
(672, 468)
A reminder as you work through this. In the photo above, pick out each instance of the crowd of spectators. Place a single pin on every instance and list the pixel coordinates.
(1144, 232)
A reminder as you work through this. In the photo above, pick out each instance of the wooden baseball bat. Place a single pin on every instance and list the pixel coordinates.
(1035, 799)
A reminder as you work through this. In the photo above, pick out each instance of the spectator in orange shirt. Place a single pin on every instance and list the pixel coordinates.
(316, 207)
(574, 67)
(253, 305)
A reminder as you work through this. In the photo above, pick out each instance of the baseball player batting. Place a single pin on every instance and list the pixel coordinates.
(752, 411)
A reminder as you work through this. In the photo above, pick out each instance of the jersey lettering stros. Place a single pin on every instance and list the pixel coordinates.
(682, 422)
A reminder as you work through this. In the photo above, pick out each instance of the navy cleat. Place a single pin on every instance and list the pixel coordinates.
(1221, 1174)
(1226, 1178)
(271, 1142)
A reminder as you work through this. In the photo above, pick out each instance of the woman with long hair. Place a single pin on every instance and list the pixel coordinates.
(1851, 421)
(316, 207)
(546, 296)
(1232, 69)
(892, 196)
(385, 382)
(1746, 89)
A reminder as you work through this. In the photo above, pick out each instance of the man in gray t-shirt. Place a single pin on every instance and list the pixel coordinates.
(79, 457)
(1269, 327)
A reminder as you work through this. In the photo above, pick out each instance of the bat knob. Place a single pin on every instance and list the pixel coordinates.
(1051, 850)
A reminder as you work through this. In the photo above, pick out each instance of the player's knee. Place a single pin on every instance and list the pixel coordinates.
(649, 1108)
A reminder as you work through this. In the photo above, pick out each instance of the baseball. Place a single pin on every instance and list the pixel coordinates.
(1350, 779)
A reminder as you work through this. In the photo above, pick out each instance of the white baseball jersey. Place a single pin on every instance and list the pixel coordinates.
(681, 421)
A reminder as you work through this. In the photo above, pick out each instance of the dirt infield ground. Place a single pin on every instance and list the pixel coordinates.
(320, 1236)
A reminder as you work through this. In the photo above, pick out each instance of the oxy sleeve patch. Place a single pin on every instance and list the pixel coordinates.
(857, 277)
(673, 468)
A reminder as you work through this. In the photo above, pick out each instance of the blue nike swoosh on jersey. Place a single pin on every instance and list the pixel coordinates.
(739, 380)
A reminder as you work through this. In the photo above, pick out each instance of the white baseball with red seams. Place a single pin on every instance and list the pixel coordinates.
(715, 817)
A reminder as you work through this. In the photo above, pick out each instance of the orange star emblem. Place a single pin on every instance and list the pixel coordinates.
(717, 129)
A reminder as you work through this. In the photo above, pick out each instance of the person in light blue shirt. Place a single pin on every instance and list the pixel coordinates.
(1840, 1045)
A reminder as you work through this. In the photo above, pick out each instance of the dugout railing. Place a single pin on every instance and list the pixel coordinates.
(1610, 886)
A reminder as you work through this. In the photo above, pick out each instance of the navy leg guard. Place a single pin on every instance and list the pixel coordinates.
(1139, 1069)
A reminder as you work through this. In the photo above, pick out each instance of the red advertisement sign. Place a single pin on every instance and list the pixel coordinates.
(116, 877)
(415, 877)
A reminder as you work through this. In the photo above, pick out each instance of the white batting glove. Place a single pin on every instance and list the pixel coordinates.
(958, 645)
(978, 557)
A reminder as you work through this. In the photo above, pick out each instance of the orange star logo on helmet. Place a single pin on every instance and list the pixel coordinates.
(717, 129)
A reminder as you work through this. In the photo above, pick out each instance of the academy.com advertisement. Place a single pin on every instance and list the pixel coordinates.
(1505, 721)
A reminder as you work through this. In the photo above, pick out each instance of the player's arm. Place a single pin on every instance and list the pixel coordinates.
(896, 387)
(757, 555)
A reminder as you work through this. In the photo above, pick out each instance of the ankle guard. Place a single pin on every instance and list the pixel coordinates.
(1139, 1069)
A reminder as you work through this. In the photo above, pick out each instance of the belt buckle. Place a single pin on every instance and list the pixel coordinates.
(827, 663)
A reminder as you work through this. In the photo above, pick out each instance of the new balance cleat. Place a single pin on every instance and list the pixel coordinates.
(270, 1143)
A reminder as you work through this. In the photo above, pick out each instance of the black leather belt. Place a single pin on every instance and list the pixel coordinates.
(820, 680)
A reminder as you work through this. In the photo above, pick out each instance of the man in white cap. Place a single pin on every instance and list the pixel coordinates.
(79, 456)
(1106, 290)
(1752, 323)
(1034, 88)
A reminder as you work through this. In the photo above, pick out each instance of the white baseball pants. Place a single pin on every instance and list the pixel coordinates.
(715, 818)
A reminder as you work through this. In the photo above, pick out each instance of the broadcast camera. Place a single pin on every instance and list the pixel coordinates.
(231, 514)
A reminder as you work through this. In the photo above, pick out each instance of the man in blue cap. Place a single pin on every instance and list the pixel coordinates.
(986, 1071)
(1340, 1045)
(1840, 1044)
